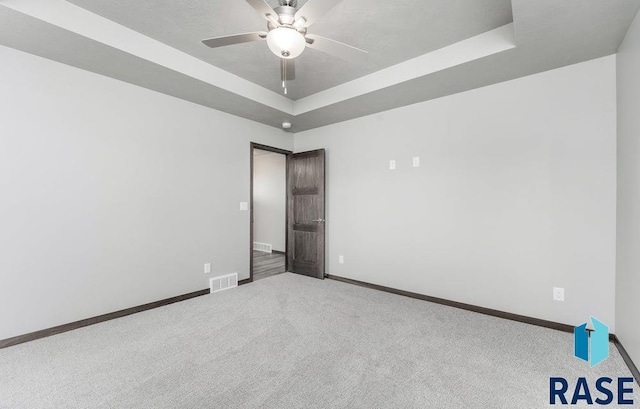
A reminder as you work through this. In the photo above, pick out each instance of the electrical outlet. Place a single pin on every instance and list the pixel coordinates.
(244, 206)
(392, 164)
(341, 259)
(416, 162)
(558, 294)
(207, 268)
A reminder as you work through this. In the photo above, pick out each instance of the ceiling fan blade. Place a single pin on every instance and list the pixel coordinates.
(287, 69)
(314, 10)
(264, 9)
(234, 39)
(338, 49)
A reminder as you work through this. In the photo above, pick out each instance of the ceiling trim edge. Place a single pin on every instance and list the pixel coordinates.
(483, 45)
(85, 23)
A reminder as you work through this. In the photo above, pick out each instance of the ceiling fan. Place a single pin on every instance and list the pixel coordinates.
(287, 35)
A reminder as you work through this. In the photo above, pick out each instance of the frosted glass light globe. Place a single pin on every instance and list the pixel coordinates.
(286, 42)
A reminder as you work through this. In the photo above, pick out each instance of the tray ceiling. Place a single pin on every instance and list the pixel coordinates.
(418, 49)
(391, 32)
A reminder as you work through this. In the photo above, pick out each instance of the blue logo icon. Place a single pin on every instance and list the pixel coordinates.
(598, 339)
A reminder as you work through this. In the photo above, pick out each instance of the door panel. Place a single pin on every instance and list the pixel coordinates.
(304, 207)
(305, 224)
(305, 242)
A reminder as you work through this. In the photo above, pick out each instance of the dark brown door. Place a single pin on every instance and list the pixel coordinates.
(306, 222)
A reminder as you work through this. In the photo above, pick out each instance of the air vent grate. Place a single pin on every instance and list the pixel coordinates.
(224, 282)
(264, 247)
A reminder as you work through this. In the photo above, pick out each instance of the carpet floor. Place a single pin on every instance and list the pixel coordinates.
(295, 342)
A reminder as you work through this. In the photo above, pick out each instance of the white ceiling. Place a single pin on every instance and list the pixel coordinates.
(418, 49)
(391, 31)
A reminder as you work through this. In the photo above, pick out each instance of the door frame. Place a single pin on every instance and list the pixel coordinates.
(287, 154)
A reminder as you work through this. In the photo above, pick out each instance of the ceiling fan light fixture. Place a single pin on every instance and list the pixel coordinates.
(286, 42)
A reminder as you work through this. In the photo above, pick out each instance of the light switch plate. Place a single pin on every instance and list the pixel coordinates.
(558, 294)
(207, 268)
(244, 206)
(341, 259)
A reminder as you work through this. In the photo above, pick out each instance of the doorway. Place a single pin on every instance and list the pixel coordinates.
(298, 186)
(268, 211)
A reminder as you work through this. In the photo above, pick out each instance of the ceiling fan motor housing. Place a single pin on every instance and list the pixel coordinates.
(286, 15)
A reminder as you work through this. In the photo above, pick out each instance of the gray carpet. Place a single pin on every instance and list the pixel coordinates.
(294, 342)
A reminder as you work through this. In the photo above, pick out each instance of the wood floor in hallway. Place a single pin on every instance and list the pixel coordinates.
(267, 264)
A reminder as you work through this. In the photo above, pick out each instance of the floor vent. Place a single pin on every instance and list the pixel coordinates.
(264, 247)
(223, 282)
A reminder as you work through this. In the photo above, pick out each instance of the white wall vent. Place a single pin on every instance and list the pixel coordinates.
(264, 247)
(223, 282)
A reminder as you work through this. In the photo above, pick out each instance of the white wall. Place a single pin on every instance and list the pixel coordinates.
(515, 194)
(269, 199)
(112, 195)
(628, 245)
